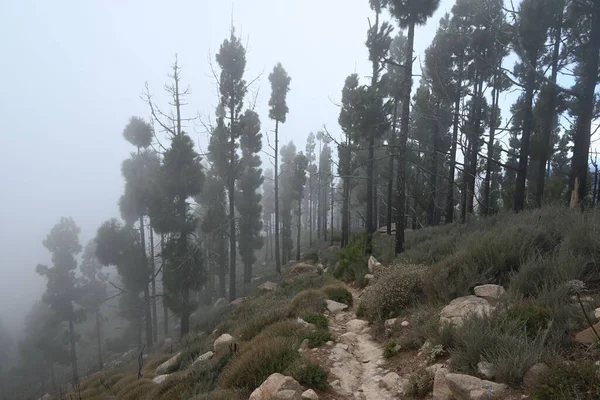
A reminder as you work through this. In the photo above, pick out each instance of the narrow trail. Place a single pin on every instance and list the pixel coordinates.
(357, 362)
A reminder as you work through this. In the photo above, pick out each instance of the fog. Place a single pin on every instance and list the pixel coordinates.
(72, 75)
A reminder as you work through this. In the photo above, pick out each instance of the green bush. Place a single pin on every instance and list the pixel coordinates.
(205, 375)
(319, 320)
(308, 373)
(311, 256)
(192, 345)
(257, 361)
(338, 293)
(288, 328)
(533, 319)
(396, 288)
(420, 383)
(390, 349)
(573, 381)
(318, 337)
(352, 265)
(306, 302)
(261, 319)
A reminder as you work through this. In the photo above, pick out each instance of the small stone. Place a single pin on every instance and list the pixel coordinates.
(441, 391)
(160, 378)
(390, 382)
(342, 346)
(204, 357)
(465, 387)
(277, 384)
(489, 292)
(302, 322)
(335, 307)
(329, 343)
(356, 325)
(534, 375)
(369, 277)
(310, 395)
(461, 308)
(389, 323)
(405, 324)
(373, 265)
(597, 313)
(304, 345)
(164, 367)
(268, 286)
(486, 369)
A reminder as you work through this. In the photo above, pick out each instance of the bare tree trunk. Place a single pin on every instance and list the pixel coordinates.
(452, 172)
(73, 353)
(401, 187)
(231, 189)
(490, 150)
(162, 267)
(147, 307)
(277, 251)
(332, 190)
(153, 269)
(299, 228)
(391, 177)
(99, 339)
(433, 178)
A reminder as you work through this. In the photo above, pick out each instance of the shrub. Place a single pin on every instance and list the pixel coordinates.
(330, 255)
(261, 319)
(319, 320)
(307, 301)
(258, 360)
(533, 319)
(137, 389)
(318, 337)
(205, 375)
(395, 289)
(288, 328)
(338, 293)
(311, 256)
(391, 349)
(420, 383)
(192, 345)
(578, 380)
(353, 262)
(308, 373)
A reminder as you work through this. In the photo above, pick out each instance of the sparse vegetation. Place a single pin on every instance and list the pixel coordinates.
(578, 380)
(319, 320)
(338, 293)
(420, 383)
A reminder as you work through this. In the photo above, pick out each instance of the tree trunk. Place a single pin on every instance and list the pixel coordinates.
(232, 232)
(147, 307)
(73, 353)
(332, 190)
(455, 125)
(153, 269)
(162, 267)
(277, 252)
(390, 192)
(548, 123)
(99, 339)
(474, 144)
(401, 187)
(490, 150)
(319, 198)
(185, 315)
(310, 209)
(519, 199)
(299, 227)
(433, 178)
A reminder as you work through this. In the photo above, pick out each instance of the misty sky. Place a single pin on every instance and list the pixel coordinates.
(72, 74)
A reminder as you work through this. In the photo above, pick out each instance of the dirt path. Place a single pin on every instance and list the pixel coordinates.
(357, 362)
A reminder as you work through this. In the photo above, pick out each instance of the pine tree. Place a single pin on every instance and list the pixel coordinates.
(280, 86)
(249, 207)
(312, 172)
(62, 289)
(268, 206)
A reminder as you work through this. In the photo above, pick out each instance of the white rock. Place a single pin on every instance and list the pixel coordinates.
(302, 322)
(489, 292)
(160, 378)
(335, 307)
(221, 302)
(389, 323)
(390, 382)
(304, 345)
(342, 346)
(405, 324)
(597, 313)
(223, 343)
(441, 391)
(461, 308)
(486, 369)
(274, 385)
(303, 268)
(356, 325)
(164, 367)
(373, 265)
(286, 394)
(204, 357)
(268, 286)
(310, 395)
(369, 277)
(329, 343)
(465, 387)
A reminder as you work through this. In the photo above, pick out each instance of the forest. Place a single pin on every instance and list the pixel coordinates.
(423, 143)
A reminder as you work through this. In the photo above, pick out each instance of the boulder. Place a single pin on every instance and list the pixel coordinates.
(373, 265)
(389, 323)
(356, 325)
(303, 268)
(237, 302)
(486, 369)
(310, 395)
(533, 377)
(164, 367)
(335, 307)
(597, 313)
(489, 292)
(221, 302)
(223, 344)
(369, 277)
(160, 378)
(277, 387)
(441, 391)
(587, 335)
(204, 357)
(461, 308)
(268, 286)
(391, 382)
(465, 387)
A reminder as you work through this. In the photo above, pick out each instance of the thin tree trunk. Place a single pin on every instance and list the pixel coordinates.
(490, 150)
(455, 125)
(277, 252)
(519, 199)
(474, 144)
(73, 353)
(391, 177)
(162, 267)
(147, 307)
(153, 269)
(332, 190)
(52, 376)
(99, 339)
(185, 315)
(433, 178)
(299, 227)
(401, 187)
(232, 232)
(310, 208)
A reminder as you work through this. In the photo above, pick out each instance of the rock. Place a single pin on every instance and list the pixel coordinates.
(389, 323)
(486, 369)
(587, 336)
(460, 308)
(373, 265)
(342, 346)
(489, 292)
(47, 396)
(221, 302)
(204, 357)
(305, 324)
(160, 378)
(268, 286)
(390, 382)
(349, 338)
(310, 395)
(303, 268)
(533, 377)
(369, 277)
(237, 302)
(223, 343)
(434, 368)
(304, 345)
(356, 325)
(329, 343)
(465, 387)
(335, 307)
(276, 385)
(441, 391)
(164, 367)
(215, 334)
(425, 349)
(597, 313)
(131, 354)
(405, 324)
